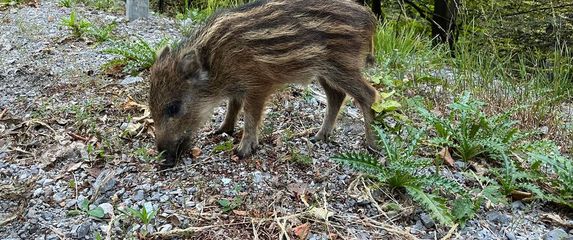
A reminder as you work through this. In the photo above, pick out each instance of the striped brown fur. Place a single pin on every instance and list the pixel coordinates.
(245, 53)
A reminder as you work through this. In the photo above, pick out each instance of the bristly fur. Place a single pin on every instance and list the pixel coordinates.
(247, 52)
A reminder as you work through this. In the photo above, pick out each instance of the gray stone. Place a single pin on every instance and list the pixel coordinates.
(165, 228)
(164, 198)
(155, 196)
(556, 234)
(510, 236)
(226, 181)
(59, 197)
(82, 230)
(38, 192)
(427, 220)
(107, 208)
(517, 205)
(130, 80)
(460, 164)
(52, 237)
(257, 177)
(139, 195)
(498, 217)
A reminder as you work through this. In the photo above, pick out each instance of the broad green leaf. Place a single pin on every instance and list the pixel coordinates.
(97, 212)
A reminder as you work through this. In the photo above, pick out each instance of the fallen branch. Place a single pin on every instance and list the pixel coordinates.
(78, 137)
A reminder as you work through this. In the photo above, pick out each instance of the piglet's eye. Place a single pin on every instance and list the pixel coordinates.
(173, 108)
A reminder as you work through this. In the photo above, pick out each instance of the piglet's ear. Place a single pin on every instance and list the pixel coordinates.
(190, 66)
(163, 52)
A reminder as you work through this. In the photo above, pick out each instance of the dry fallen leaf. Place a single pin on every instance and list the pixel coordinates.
(74, 167)
(520, 195)
(321, 213)
(445, 155)
(556, 220)
(240, 213)
(196, 152)
(301, 231)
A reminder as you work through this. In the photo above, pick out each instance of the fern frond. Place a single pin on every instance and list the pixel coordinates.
(360, 161)
(434, 204)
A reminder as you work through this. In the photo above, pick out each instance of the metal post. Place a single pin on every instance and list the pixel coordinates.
(137, 9)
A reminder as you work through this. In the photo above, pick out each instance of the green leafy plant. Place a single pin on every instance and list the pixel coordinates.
(101, 34)
(146, 214)
(223, 147)
(66, 3)
(133, 56)
(229, 205)
(562, 168)
(84, 207)
(403, 170)
(469, 131)
(78, 27)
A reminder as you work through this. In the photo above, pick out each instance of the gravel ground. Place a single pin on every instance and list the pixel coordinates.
(68, 137)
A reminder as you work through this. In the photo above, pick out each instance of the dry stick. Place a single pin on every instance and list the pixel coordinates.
(78, 137)
(537, 9)
(451, 232)
(3, 112)
(8, 220)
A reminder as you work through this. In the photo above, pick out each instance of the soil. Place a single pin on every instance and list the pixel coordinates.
(71, 133)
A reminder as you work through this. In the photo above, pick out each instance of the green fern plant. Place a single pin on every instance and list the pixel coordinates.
(403, 170)
(562, 182)
(78, 27)
(470, 132)
(66, 3)
(135, 56)
(102, 34)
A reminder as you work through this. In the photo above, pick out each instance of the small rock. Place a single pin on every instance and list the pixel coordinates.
(82, 230)
(460, 164)
(164, 198)
(510, 236)
(38, 192)
(165, 228)
(107, 208)
(556, 234)
(46, 182)
(544, 130)
(130, 80)
(257, 177)
(498, 217)
(139, 195)
(59, 197)
(417, 228)
(427, 220)
(517, 205)
(52, 237)
(226, 181)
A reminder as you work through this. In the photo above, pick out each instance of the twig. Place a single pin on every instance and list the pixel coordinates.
(3, 112)
(451, 232)
(8, 220)
(78, 137)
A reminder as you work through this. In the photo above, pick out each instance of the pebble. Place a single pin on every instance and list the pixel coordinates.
(498, 217)
(510, 236)
(556, 234)
(38, 192)
(427, 220)
(107, 208)
(165, 228)
(139, 195)
(226, 181)
(59, 197)
(82, 230)
(130, 80)
(164, 198)
(517, 205)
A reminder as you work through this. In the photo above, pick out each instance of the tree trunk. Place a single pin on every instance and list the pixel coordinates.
(376, 8)
(444, 27)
